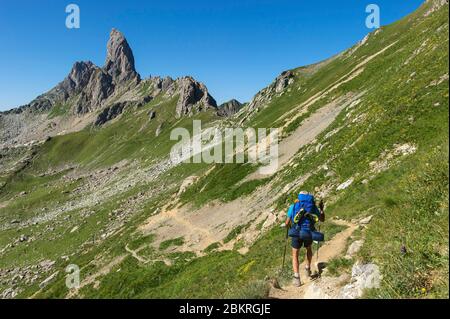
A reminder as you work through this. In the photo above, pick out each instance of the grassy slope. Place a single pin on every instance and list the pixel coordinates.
(405, 199)
(132, 137)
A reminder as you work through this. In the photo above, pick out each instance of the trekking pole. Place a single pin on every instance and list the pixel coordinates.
(317, 256)
(318, 244)
(285, 248)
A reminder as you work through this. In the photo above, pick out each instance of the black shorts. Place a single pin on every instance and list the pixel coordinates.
(297, 243)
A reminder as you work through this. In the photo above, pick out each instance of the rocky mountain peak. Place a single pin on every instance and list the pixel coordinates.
(229, 108)
(194, 97)
(81, 73)
(120, 60)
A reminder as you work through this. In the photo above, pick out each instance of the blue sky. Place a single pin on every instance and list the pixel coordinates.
(236, 47)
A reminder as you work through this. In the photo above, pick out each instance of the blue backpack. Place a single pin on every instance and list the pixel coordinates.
(303, 223)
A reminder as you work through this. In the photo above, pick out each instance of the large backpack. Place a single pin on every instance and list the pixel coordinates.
(303, 210)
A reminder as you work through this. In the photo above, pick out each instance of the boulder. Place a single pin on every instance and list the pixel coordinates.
(364, 276)
(366, 220)
(48, 280)
(151, 115)
(354, 248)
(345, 185)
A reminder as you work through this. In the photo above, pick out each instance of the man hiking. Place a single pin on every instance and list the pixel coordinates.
(301, 216)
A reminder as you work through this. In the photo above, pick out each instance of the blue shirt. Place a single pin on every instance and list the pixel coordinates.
(290, 213)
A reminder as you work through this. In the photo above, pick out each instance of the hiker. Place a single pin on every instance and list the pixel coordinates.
(301, 216)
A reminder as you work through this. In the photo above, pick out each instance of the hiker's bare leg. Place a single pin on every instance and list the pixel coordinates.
(296, 280)
(309, 255)
(295, 260)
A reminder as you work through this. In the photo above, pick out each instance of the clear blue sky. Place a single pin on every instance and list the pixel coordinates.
(236, 47)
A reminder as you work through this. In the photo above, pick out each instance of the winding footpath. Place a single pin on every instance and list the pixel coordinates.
(331, 249)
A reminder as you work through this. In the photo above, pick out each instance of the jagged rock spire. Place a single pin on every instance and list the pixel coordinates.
(120, 60)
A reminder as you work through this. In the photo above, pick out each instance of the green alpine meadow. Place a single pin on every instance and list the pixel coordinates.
(94, 204)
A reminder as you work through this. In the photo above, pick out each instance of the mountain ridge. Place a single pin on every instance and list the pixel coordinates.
(98, 95)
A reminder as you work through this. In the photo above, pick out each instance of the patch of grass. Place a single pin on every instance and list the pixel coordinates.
(212, 247)
(220, 184)
(214, 275)
(260, 225)
(243, 189)
(143, 240)
(258, 289)
(182, 256)
(233, 233)
(330, 229)
(337, 265)
(171, 242)
(58, 110)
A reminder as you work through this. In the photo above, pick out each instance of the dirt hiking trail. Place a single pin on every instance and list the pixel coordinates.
(211, 223)
(331, 249)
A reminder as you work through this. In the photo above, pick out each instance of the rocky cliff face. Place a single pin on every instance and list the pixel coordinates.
(77, 80)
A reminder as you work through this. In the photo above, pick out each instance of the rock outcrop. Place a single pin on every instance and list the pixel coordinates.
(229, 108)
(194, 97)
(109, 113)
(282, 81)
(86, 87)
(165, 85)
(263, 97)
(364, 276)
(78, 78)
(92, 95)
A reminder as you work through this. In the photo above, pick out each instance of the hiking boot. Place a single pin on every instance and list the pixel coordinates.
(296, 282)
